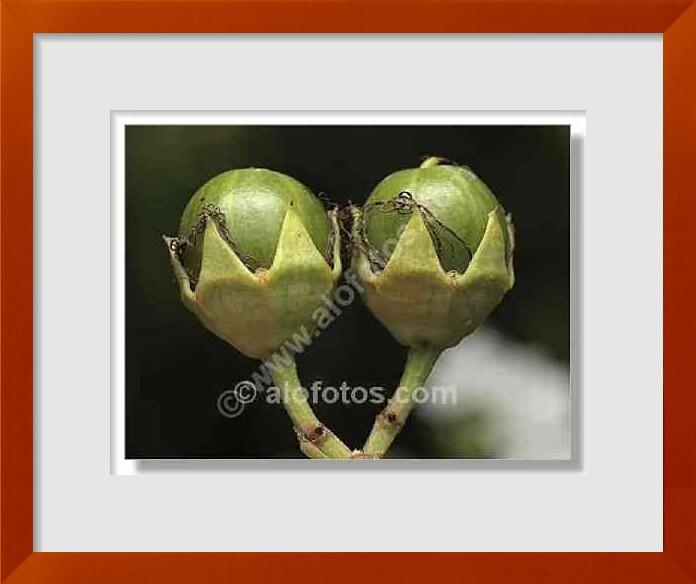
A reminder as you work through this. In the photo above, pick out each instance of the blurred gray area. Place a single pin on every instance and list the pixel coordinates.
(504, 399)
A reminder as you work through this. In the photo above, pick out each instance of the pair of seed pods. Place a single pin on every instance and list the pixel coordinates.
(257, 254)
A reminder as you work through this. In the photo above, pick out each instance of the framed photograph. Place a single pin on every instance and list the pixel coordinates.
(287, 285)
(514, 408)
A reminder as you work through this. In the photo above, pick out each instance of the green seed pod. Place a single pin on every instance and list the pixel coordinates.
(256, 253)
(433, 253)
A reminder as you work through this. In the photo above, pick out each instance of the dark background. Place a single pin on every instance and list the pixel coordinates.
(175, 369)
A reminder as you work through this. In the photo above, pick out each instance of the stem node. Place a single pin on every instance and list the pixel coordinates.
(390, 420)
(316, 440)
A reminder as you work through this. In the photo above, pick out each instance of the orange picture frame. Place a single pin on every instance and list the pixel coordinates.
(21, 19)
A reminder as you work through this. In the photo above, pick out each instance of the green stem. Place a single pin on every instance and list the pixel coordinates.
(316, 440)
(390, 420)
(431, 161)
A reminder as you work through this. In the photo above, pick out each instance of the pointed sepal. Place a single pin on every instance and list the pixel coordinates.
(188, 297)
(419, 302)
(258, 312)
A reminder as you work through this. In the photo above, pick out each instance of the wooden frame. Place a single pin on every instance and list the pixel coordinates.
(21, 19)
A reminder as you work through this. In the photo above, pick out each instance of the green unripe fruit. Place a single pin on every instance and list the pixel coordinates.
(256, 255)
(457, 200)
(433, 254)
(252, 203)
